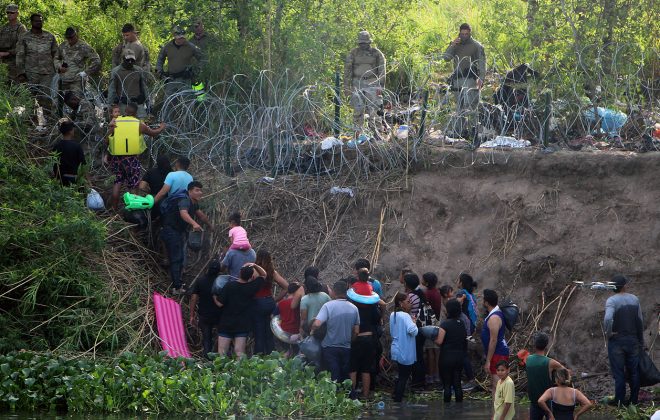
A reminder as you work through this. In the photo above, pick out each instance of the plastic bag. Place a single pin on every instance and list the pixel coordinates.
(311, 348)
(648, 373)
(95, 201)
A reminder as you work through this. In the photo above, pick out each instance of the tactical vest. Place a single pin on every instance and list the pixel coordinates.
(127, 139)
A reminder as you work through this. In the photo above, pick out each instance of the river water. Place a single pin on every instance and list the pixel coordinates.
(468, 410)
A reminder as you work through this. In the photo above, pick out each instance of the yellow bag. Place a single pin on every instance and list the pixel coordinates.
(127, 139)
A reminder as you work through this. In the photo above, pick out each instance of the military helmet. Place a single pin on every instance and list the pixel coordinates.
(364, 37)
(11, 8)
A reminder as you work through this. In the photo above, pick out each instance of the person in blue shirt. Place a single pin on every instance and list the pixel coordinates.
(403, 331)
(375, 284)
(175, 181)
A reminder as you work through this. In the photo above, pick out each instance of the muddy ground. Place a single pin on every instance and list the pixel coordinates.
(526, 223)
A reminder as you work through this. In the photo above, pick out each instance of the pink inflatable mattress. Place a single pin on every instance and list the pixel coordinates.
(170, 326)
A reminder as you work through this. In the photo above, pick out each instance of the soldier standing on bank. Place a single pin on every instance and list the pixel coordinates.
(182, 56)
(35, 53)
(75, 60)
(127, 84)
(469, 71)
(364, 80)
(131, 42)
(9, 34)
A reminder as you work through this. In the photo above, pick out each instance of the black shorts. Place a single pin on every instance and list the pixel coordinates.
(365, 354)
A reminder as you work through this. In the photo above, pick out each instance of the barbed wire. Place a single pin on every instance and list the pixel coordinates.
(277, 124)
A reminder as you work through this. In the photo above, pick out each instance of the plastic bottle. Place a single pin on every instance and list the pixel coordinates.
(380, 405)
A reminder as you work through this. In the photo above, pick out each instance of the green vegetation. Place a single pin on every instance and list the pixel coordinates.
(265, 387)
(51, 291)
(312, 37)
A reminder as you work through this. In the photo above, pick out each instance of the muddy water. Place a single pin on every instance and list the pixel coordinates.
(468, 410)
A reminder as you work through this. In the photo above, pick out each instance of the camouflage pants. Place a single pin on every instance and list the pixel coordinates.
(466, 94)
(367, 101)
(72, 85)
(11, 67)
(176, 85)
(39, 85)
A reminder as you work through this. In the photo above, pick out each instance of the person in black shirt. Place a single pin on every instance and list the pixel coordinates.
(452, 339)
(236, 300)
(175, 226)
(70, 154)
(202, 307)
(154, 179)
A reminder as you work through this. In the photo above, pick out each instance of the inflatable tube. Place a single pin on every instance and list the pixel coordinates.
(369, 300)
(281, 334)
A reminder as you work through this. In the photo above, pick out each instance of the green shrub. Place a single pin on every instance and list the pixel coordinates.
(269, 386)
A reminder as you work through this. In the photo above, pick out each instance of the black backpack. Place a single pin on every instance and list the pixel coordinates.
(170, 202)
(511, 314)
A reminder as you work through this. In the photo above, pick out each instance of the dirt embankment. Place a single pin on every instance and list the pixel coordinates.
(525, 223)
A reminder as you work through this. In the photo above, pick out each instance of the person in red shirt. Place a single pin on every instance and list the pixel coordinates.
(290, 317)
(362, 285)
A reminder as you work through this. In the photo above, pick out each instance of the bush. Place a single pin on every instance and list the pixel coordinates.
(270, 386)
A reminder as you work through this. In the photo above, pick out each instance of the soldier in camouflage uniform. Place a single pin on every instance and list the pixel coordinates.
(127, 84)
(182, 59)
(131, 42)
(364, 80)
(9, 35)
(35, 52)
(75, 60)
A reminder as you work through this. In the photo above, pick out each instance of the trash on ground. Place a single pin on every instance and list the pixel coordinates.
(505, 141)
(342, 190)
(95, 201)
(266, 180)
(362, 138)
(402, 132)
(611, 121)
(330, 142)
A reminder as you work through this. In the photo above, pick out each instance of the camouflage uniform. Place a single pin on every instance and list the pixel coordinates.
(9, 35)
(128, 85)
(34, 58)
(179, 65)
(76, 56)
(469, 64)
(141, 55)
(364, 77)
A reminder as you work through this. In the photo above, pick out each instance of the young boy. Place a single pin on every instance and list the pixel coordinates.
(504, 393)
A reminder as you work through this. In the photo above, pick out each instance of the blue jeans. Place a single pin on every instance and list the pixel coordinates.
(174, 244)
(623, 353)
(264, 342)
(337, 360)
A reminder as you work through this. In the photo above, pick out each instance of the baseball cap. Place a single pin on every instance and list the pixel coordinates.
(11, 8)
(178, 32)
(129, 54)
(619, 280)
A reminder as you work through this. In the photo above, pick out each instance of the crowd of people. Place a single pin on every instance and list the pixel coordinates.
(351, 333)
